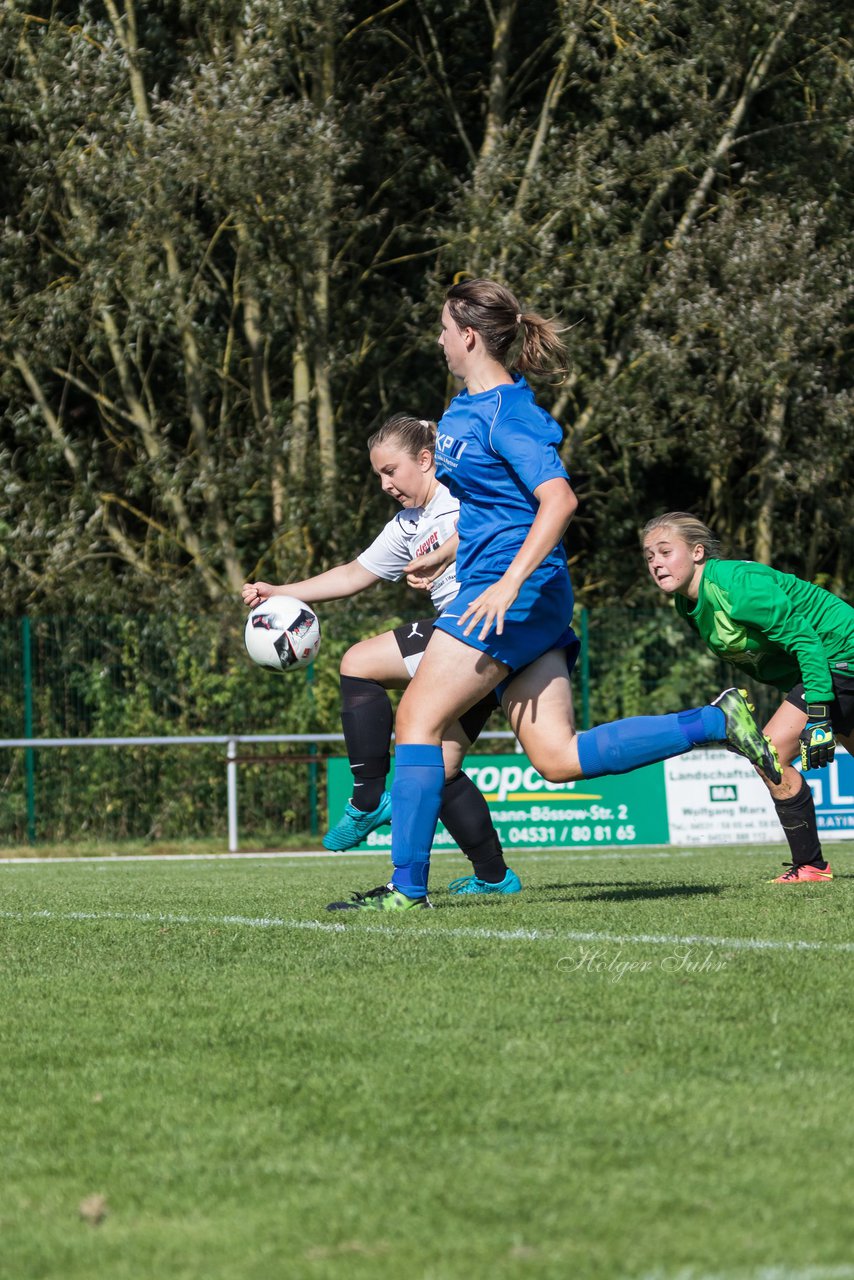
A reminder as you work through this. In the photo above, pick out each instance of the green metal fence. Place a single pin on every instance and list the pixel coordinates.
(143, 675)
(139, 677)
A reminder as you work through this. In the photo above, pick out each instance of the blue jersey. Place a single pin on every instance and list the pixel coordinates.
(492, 451)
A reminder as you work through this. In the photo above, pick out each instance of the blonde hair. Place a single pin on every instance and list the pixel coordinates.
(497, 315)
(413, 435)
(687, 527)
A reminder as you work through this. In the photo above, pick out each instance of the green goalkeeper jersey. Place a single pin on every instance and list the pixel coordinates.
(778, 628)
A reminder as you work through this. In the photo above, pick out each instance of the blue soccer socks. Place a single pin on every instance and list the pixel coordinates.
(703, 724)
(624, 745)
(416, 797)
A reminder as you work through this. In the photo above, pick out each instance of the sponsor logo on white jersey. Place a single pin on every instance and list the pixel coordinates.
(427, 544)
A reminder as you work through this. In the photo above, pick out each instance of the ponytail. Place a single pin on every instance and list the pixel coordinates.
(497, 316)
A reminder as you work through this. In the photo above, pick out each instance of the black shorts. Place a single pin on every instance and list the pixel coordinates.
(412, 640)
(842, 707)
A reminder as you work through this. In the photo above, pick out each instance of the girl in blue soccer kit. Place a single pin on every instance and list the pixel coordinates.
(509, 627)
(401, 454)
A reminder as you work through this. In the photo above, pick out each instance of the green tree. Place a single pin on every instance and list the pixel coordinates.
(227, 229)
(677, 189)
(167, 276)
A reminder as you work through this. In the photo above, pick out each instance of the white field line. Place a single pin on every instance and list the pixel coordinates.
(409, 929)
(628, 854)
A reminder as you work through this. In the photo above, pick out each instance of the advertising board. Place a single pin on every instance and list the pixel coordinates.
(531, 813)
(715, 797)
(702, 797)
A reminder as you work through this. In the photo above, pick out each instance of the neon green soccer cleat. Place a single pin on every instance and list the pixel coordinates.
(383, 898)
(743, 735)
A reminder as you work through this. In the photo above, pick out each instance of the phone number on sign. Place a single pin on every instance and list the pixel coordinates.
(574, 834)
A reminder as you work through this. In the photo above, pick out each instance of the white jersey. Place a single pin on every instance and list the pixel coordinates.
(413, 532)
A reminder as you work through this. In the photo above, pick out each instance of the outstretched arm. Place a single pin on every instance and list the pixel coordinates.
(334, 584)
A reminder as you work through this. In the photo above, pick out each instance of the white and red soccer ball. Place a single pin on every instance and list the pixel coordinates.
(282, 633)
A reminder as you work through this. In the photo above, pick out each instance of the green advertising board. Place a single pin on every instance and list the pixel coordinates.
(530, 813)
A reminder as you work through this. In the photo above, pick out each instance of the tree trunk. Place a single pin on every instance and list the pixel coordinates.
(301, 411)
(126, 33)
(496, 105)
(324, 406)
(770, 472)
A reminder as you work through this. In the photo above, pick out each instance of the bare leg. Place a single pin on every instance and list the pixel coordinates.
(368, 669)
(377, 658)
(451, 677)
(538, 705)
(783, 729)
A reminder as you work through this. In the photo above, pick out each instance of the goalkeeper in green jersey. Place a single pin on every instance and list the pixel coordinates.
(782, 631)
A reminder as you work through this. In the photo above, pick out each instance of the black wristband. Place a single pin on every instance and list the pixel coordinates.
(818, 711)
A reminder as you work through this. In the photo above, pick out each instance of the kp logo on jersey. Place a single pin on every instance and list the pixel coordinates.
(450, 449)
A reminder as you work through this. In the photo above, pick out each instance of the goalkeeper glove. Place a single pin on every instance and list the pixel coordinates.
(816, 738)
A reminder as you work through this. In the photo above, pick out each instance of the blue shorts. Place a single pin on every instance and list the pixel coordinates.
(537, 621)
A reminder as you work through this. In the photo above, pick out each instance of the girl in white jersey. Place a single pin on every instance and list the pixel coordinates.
(509, 627)
(401, 454)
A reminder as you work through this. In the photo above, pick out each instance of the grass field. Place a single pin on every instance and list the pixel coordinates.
(641, 1068)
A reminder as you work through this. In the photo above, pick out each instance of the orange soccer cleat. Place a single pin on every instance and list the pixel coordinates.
(801, 874)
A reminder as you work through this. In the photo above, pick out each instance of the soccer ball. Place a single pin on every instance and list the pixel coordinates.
(282, 633)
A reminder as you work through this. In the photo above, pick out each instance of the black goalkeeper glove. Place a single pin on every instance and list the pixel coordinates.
(816, 738)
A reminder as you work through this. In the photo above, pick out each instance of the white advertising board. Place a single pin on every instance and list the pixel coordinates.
(715, 797)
